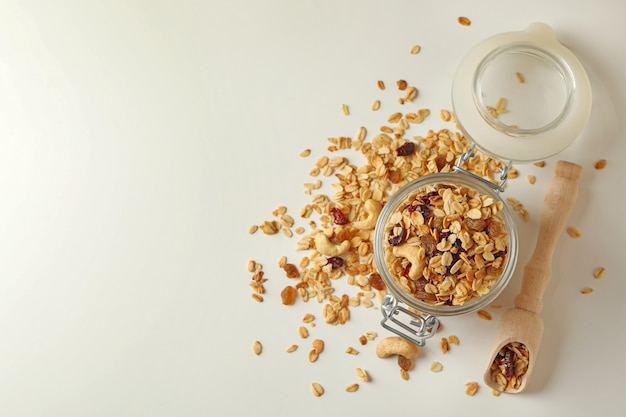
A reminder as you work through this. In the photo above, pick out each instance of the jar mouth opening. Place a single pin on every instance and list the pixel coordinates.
(523, 90)
(394, 287)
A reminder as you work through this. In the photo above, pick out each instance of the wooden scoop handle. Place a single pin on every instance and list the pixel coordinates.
(560, 198)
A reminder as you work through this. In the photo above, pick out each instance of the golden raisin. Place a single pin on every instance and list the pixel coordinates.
(291, 270)
(288, 295)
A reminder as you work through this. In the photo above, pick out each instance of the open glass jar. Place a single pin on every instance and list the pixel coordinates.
(446, 244)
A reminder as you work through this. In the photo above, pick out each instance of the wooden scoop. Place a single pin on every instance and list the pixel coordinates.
(522, 323)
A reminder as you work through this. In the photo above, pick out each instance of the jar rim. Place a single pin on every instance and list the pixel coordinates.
(394, 202)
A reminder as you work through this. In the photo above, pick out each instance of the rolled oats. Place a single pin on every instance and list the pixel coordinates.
(453, 339)
(415, 49)
(436, 366)
(291, 348)
(471, 388)
(313, 355)
(599, 272)
(531, 179)
(586, 290)
(257, 297)
(345, 110)
(380, 84)
(573, 232)
(444, 345)
(317, 389)
(484, 314)
(351, 351)
(257, 348)
(520, 77)
(362, 375)
(352, 387)
(375, 105)
(252, 229)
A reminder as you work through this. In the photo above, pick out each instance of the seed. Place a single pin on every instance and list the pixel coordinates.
(436, 366)
(520, 77)
(464, 21)
(484, 314)
(471, 388)
(345, 110)
(376, 105)
(317, 389)
(600, 164)
(586, 290)
(257, 348)
(573, 232)
(598, 272)
(252, 229)
(303, 332)
(531, 179)
(415, 49)
(305, 153)
(362, 374)
(291, 348)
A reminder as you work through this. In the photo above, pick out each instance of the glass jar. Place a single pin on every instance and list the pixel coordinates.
(518, 96)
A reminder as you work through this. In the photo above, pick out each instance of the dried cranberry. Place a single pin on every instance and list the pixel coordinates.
(426, 198)
(336, 262)
(444, 234)
(509, 363)
(421, 208)
(338, 216)
(406, 149)
(396, 239)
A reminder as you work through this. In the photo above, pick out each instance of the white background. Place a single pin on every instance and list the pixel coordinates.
(140, 139)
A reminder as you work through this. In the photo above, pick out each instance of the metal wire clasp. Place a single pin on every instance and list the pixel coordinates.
(419, 328)
(504, 171)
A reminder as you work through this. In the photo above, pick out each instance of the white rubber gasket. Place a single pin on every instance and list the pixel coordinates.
(516, 145)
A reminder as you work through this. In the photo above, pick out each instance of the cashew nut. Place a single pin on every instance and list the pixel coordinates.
(372, 208)
(396, 345)
(327, 248)
(416, 255)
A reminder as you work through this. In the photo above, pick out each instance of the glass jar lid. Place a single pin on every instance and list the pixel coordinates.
(521, 96)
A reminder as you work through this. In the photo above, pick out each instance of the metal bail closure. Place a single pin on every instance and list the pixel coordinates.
(504, 171)
(416, 331)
